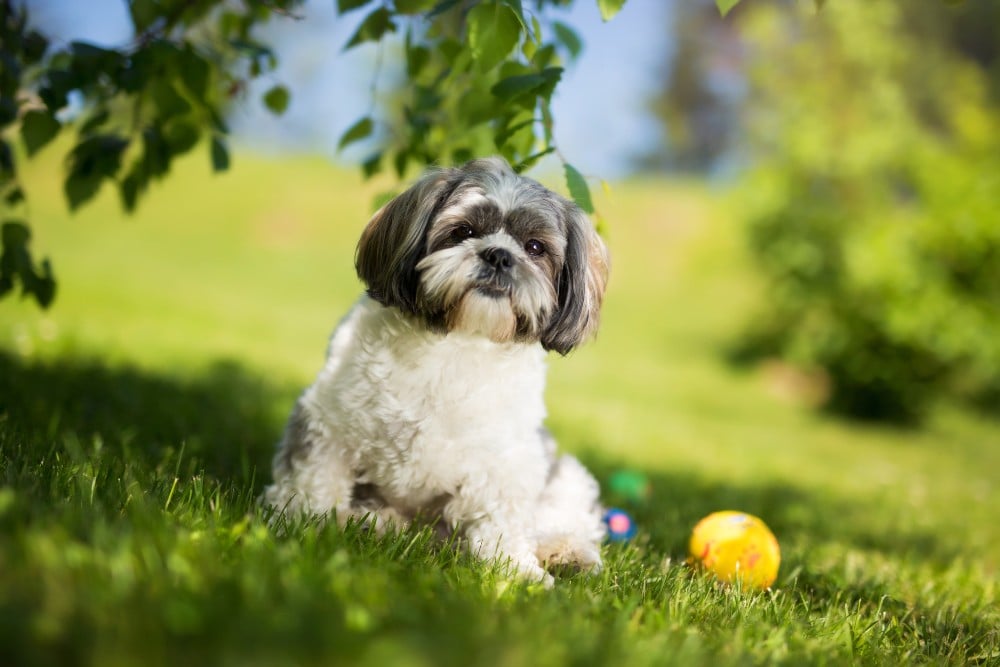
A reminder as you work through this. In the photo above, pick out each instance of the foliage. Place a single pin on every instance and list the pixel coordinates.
(872, 206)
(20, 48)
(134, 108)
(480, 77)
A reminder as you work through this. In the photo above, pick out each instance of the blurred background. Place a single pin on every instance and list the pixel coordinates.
(856, 150)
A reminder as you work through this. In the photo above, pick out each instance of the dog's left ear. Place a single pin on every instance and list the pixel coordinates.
(394, 240)
(581, 284)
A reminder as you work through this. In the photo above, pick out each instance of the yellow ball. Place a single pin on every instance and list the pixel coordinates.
(736, 546)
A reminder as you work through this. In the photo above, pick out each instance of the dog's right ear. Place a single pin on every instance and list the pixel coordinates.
(394, 240)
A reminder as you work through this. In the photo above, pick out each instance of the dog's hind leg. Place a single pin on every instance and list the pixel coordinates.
(310, 475)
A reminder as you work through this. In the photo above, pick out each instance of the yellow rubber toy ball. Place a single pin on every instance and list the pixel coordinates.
(736, 546)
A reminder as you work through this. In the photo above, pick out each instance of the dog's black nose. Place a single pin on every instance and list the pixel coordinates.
(499, 258)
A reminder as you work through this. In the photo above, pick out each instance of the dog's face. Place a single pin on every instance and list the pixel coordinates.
(482, 250)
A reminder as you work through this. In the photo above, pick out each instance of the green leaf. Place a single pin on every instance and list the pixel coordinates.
(95, 121)
(167, 100)
(515, 86)
(194, 71)
(610, 7)
(358, 131)
(505, 133)
(6, 162)
(372, 165)
(493, 32)
(414, 6)
(578, 188)
(545, 56)
(56, 85)
(461, 155)
(725, 6)
(220, 154)
(156, 155)
(529, 162)
(441, 8)
(14, 196)
(81, 188)
(372, 28)
(417, 58)
(35, 45)
(216, 120)
(8, 110)
(90, 162)
(254, 50)
(276, 99)
(568, 38)
(181, 136)
(533, 39)
(552, 75)
(38, 128)
(344, 6)
(95, 60)
(129, 189)
(400, 161)
(144, 14)
(16, 265)
(517, 7)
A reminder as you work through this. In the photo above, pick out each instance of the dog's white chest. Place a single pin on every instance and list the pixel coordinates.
(421, 413)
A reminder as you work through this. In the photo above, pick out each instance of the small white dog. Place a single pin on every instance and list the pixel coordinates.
(430, 404)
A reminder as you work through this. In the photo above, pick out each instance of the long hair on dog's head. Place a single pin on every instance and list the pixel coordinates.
(482, 250)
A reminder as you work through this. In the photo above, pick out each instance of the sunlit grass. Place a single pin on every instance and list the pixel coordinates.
(137, 418)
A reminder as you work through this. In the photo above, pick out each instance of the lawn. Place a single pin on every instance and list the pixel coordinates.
(138, 415)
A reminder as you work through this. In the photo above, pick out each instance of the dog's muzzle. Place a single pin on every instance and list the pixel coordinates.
(495, 278)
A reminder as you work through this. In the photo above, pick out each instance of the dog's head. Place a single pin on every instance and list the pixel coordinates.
(482, 250)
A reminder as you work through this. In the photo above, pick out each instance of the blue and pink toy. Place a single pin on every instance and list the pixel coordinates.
(620, 525)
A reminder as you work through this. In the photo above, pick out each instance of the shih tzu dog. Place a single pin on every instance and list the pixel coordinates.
(430, 404)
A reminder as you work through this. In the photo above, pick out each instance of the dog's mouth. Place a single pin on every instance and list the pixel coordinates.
(493, 291)
(494, 284)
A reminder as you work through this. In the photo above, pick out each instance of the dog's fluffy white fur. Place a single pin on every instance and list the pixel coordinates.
(430, 404)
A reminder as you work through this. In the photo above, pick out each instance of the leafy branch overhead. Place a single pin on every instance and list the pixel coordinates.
(480, 79)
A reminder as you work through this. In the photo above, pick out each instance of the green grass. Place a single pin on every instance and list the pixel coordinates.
(137, 419)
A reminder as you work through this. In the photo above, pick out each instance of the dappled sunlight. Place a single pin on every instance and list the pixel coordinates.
(801, 323)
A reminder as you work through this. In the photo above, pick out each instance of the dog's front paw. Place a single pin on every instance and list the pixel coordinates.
(529, 570)
(569, 553)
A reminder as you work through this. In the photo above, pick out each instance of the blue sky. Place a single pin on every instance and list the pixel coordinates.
(599, 107)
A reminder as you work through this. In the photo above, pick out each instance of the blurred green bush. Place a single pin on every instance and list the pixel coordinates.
(873, 206)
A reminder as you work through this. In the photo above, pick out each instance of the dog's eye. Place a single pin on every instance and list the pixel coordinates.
(462, 232)
(534, 247)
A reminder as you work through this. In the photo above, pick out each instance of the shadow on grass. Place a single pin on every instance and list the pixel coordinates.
(797, 515)
(226, 418)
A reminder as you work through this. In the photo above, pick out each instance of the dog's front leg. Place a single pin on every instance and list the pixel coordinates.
(497, 530)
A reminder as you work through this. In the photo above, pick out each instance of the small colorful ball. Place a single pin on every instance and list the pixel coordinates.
(620, 525)
(736, 546)
(630, 485)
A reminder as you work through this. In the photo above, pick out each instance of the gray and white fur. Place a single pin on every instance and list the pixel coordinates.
(430, 403)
